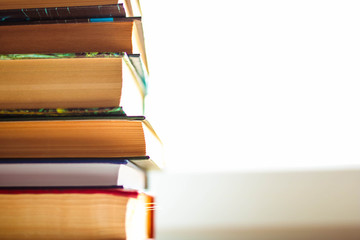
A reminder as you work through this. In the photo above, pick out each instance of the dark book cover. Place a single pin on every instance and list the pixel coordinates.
(143, 162)
(89, 19)
(70, 117)
(57, 13)
(119, 160)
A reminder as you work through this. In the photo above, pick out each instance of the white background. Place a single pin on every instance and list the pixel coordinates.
(257, 103)
(238, 85)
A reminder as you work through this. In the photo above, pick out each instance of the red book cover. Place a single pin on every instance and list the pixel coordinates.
(118, 191)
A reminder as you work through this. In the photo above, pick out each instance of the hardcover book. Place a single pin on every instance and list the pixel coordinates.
(75, 37)
(75, 213)
(71, 172)
(131, 7)
(80, 137)
(56, 13)
(50, 81)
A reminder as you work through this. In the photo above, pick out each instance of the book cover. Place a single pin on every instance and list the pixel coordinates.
(57, 13)
(71, 172)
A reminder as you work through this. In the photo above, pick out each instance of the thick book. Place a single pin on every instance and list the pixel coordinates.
(129, 8)
(71, 172)
(75, 37)
(75, 213)
(72, 80)
(80, 137)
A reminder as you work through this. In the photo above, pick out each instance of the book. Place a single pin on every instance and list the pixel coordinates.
(50, 81)
(131, 7)
(75, 37)
(80, 137)
(56, 13)
(75, 213)
(71, 172)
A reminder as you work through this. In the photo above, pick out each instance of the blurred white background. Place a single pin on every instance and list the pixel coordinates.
(258, 87)
(254, 84)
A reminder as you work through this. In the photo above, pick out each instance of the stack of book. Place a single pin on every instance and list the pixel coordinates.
(74, 144)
